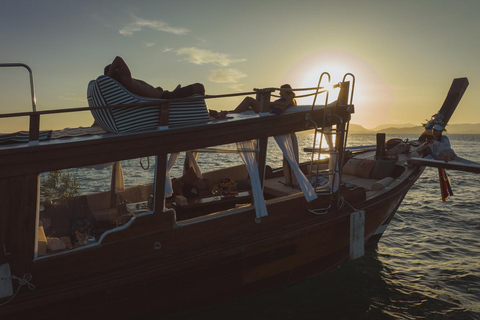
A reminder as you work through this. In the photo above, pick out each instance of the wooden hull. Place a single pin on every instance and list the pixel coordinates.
(158, 265)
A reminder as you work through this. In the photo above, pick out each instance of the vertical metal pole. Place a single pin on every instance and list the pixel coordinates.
(32, 87)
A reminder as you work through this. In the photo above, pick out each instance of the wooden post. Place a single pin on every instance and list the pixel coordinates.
(380, 152)
(264, 98)
(19, 200)
(159, 187)
(34, 130)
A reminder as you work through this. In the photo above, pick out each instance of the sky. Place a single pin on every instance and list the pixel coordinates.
(404, 54)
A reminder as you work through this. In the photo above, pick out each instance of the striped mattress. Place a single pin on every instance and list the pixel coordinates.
(105, 91)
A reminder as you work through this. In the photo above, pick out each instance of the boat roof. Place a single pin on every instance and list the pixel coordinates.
(93, 147)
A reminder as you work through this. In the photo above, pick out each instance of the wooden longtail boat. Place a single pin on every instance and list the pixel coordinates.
(172, 255)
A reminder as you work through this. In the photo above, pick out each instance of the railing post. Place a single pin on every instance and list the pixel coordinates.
(264, 98)
(163, 115)
(159, 187)
(34, 130)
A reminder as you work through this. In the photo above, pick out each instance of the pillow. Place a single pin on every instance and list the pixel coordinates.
(351, 166)
(383, 168)
(365, 168)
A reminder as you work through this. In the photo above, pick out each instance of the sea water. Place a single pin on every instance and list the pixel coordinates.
(426, 265)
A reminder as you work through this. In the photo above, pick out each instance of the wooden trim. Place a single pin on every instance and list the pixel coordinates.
(159, 187)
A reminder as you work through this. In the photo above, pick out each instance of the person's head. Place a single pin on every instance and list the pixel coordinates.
(287, 92)
(437, 131)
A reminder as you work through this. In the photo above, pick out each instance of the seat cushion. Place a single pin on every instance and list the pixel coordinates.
(383, 168)
(365, 168)
(351, 166)
(105, 91)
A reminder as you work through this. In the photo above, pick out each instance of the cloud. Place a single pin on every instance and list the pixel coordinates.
(202, 56)
(139, 24)
(226, 75)
(71, 97)
(149, 44)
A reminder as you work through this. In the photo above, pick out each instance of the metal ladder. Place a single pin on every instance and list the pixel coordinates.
(335, 147)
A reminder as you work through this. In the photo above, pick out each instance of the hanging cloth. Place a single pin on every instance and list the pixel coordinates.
(246, 150)
(286, 145)
(119, 180)
(290, 179)
(191, 162)
(168, 182)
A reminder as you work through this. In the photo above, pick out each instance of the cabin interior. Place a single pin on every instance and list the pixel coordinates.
(81, 220)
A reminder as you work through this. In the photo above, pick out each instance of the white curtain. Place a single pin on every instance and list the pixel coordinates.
(290, 179)
(286, 145)
(332, 162)
(191, 162)
(168, 182)
(119, 180)
(246, 149)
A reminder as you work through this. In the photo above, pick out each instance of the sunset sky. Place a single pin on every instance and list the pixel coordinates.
(404, 54)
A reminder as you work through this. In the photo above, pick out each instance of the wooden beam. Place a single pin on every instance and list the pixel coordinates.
(159, 187)
(452, 165)
(455, 94)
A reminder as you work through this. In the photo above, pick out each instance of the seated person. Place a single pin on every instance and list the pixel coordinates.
(439, 146)
(287, 98)
(119, 71)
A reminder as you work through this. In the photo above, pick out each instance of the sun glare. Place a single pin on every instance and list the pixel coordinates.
(332, 75)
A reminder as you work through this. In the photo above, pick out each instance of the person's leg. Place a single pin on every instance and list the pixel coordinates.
(248, 102)
(184, 92)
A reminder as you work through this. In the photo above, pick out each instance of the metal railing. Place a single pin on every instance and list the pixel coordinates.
(32, 86)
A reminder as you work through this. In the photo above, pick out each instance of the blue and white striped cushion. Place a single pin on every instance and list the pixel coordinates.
(105, 91)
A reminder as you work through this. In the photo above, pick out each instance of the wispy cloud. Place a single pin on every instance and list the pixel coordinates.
(139, 24)
(226, 75)
(71, 97)
(202, 56)
(149, 44)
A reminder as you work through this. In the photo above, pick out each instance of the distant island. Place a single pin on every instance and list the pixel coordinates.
(465, 128)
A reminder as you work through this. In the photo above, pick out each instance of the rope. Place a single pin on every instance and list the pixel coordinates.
(27, 277)
(294, 89)
(148, 164)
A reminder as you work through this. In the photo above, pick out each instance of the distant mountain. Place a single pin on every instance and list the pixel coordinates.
(465, 128)
(358, 129)
(385, 126)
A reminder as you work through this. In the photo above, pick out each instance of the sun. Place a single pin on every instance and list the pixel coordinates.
(372, 95)
(307, 72)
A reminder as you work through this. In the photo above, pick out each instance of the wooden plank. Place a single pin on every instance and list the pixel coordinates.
(452, 165)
